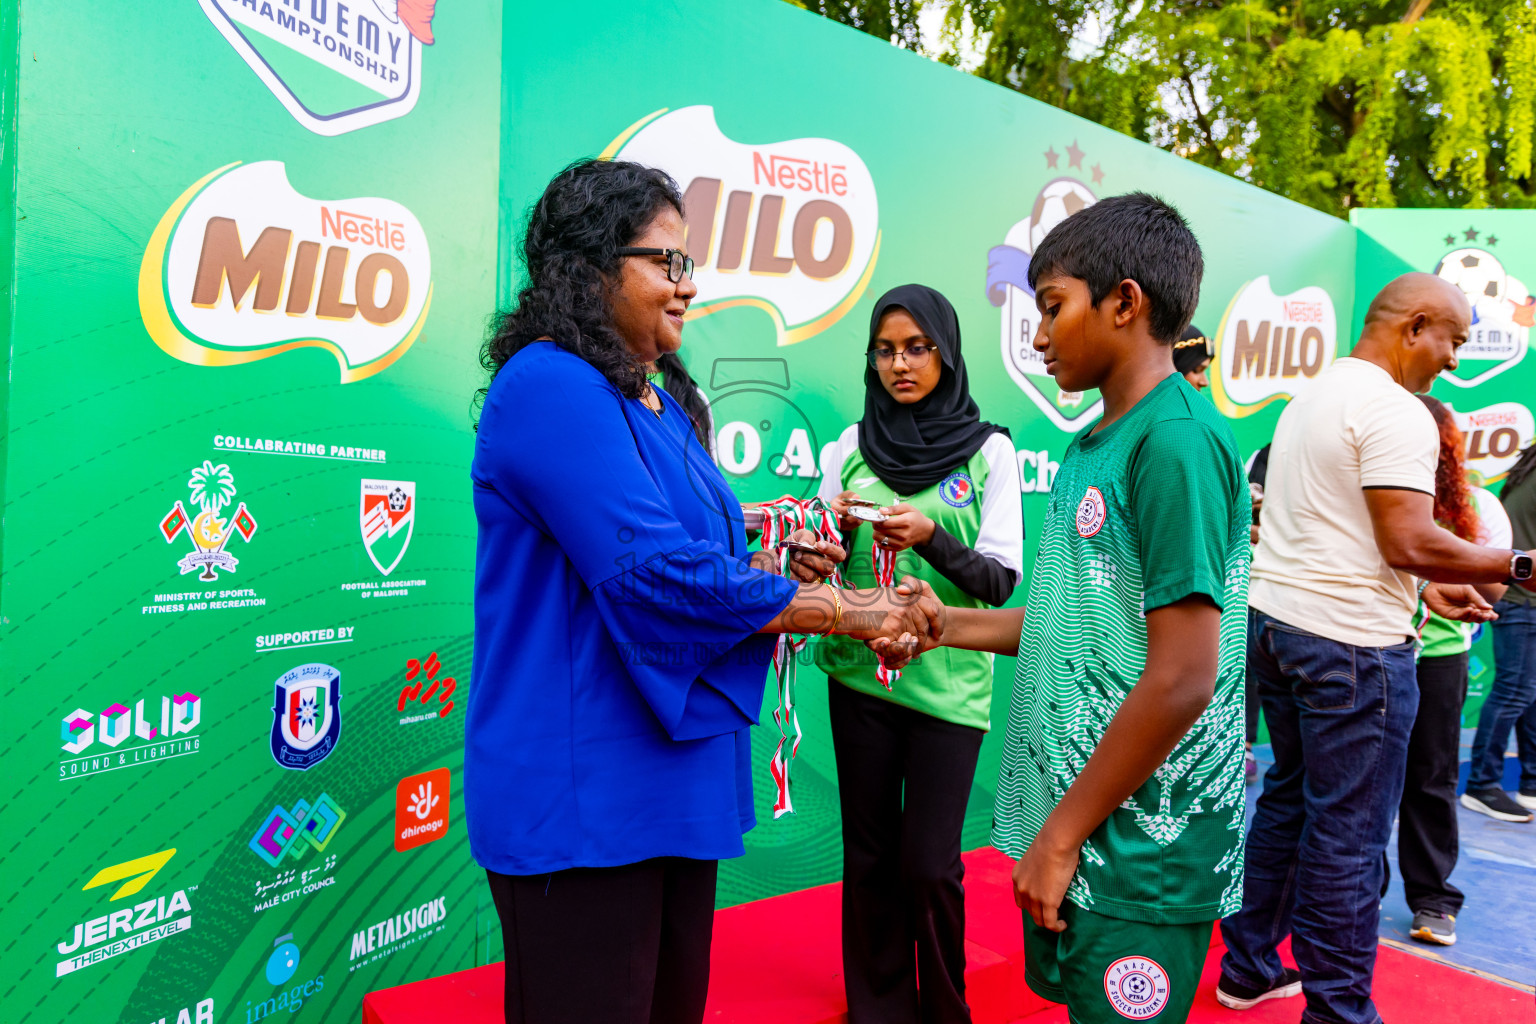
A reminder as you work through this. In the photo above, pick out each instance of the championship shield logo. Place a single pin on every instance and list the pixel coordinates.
(1503, 313)
(306, 716)
(387, 516)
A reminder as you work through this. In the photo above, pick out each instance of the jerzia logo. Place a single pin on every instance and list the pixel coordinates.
(212, 490)
(306, 716)
(307, 825)
(160, 731)
(335, 66)
(350, 276)
(133, 926)
(1270, 346)
(387, 515)
(1008, 289)
(791, 228)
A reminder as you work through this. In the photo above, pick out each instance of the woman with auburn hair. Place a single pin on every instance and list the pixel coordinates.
(1427, 834)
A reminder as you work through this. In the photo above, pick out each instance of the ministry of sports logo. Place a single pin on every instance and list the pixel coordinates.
(1091, 513)
(334, 66)
(1136, 987)
(212, 490)
(306, 716)
(387, 515)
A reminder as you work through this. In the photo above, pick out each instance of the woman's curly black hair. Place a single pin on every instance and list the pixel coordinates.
(570, 256)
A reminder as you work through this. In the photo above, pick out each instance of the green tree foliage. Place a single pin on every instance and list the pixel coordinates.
(1334, 103)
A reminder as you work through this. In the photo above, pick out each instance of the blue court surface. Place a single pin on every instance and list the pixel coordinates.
(1496, 929)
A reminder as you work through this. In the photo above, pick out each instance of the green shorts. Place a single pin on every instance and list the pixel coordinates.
(1109, 970)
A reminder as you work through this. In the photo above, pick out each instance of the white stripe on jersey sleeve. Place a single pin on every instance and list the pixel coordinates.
(1002, 510)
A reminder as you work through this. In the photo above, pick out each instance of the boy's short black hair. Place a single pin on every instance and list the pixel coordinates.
(1136, 236)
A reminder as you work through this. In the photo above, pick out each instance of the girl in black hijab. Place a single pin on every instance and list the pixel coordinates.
(924, 478)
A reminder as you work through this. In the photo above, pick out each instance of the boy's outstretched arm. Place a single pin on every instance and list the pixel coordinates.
(995, 630)
(1175, 687)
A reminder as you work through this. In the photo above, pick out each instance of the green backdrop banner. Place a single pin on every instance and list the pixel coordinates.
(249, 262)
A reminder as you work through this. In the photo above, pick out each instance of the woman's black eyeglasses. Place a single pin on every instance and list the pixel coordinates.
(678, 265)
(916, 356)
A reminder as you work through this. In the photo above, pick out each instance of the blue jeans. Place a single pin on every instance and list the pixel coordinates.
(1339, 719)
(1511, 702)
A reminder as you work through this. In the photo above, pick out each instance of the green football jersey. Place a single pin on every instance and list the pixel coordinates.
(1149, 510)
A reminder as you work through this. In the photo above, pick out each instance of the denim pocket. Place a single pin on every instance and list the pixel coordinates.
(1321, 672)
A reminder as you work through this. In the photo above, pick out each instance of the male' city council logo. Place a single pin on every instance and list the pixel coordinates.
(212, 491)
(306, 716)
(357, 64)
(286, 832)
(387, 515)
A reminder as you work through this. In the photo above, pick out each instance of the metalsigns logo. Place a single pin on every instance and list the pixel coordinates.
(139, 923)
(387, 515)
(172, 734)
(306, 716)
(352, 276)
(1503, 312)
(809, 252)
(358, 64)
(313, 825)
(1008, 289)
(1270, 346)
(212, 489)
(1495, 436)
(378, 941)
(421, 809)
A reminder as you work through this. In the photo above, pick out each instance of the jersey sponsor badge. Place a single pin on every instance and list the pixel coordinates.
(1091, 513)
(1136, 987)
(958, 489)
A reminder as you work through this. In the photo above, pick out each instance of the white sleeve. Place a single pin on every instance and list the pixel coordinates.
(1398, 443)
(1002, 509)
(833, 456)
(1495, 529)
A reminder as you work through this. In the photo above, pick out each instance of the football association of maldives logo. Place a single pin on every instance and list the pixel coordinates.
(958, 489)
(334, 66)
(306, 716)
(387, 514)
(212, 491)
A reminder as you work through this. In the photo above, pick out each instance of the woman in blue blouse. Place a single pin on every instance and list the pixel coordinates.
(622, 631)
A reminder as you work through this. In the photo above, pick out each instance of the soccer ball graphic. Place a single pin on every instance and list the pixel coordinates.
(1478, 274)
(397, 500)
(1056, 202)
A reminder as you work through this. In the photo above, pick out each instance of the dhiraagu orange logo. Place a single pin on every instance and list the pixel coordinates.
(789, 227)
(243, 267)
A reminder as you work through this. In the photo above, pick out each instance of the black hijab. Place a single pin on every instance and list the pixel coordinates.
(912, 447)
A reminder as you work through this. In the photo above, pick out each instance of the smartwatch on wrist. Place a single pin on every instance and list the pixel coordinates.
(1520, 567)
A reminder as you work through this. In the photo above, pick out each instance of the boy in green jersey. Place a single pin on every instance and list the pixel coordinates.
(1121, 786)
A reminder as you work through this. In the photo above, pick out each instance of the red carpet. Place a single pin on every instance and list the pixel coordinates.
(778, 961)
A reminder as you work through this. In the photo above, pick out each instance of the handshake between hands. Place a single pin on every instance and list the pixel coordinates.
(896, 623)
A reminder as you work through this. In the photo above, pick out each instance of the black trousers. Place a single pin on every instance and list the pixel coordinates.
(1426, 819)
(622, 945)
(903, 779)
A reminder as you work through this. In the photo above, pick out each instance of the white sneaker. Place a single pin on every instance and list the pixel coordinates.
(1527, 800)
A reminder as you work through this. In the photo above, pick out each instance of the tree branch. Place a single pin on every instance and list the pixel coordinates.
(1200, 119)
(1416, 11)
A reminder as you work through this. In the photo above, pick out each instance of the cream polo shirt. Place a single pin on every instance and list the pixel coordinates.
(1317, 566)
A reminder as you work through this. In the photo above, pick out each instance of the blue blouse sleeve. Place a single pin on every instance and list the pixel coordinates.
(681, 611)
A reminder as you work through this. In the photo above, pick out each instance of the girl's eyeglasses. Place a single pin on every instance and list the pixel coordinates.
(916, 356)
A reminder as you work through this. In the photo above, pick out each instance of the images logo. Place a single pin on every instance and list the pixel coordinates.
(1269, 346)
(806, 257)
(430, 668)
(358, 64)
(306, 716)
(116, 725)
(1503, 312)
(380, 940)
(387, 509)
(140, 923)
(212, 490)
(421, 809)
(1495, 435)
(1008, 289)
(282, 965)
(351, 276)
(283, 831)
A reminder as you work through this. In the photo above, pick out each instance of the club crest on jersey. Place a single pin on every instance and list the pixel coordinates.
(1137, 987)
(958, 489)
(306, 712)
(1091, 513)
(387, 516)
